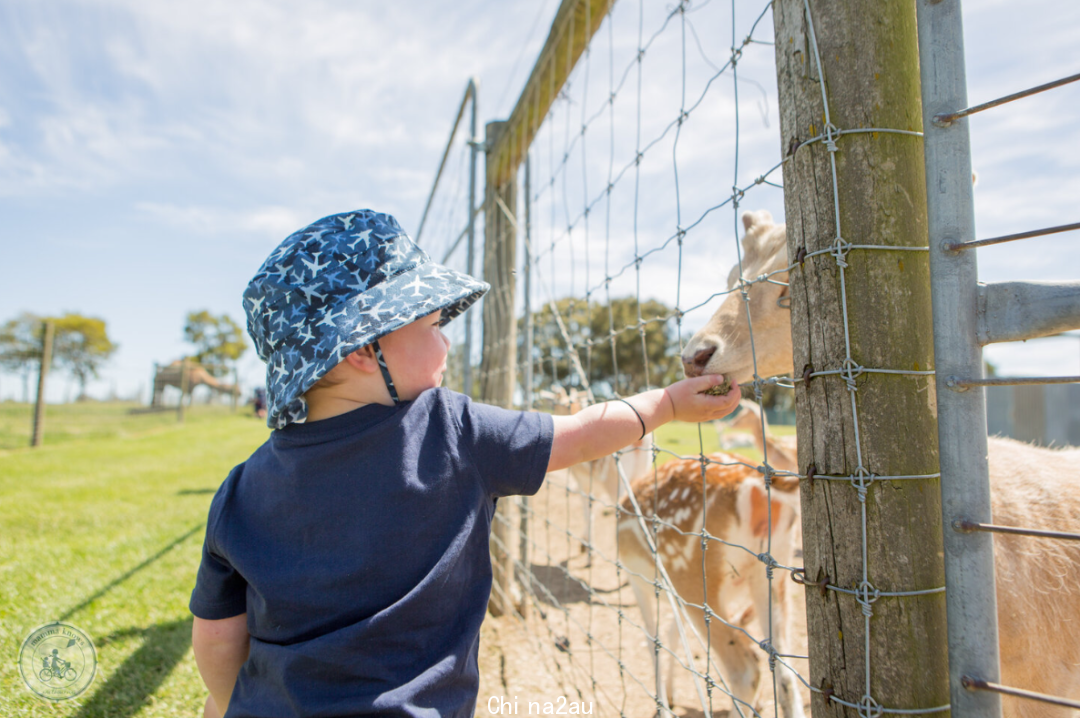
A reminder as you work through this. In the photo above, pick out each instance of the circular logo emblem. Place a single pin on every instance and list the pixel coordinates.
(57, 661)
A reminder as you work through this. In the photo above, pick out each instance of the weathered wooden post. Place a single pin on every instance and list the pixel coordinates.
(507, 144)
(48, 330)
(499, 360)
(850, 112)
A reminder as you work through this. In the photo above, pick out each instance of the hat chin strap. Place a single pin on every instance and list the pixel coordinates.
(385, 372)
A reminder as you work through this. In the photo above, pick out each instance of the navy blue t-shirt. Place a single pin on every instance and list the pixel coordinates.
(358, 547)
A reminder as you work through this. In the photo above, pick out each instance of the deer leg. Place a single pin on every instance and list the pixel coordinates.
(787, 694)
(739, 669)
(646, 601)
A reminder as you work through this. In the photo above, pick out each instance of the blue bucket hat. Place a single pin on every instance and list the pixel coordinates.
(335, 286)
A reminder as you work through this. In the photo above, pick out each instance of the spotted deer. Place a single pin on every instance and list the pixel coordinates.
(1038, 580)
(730, 503)
(599, 479)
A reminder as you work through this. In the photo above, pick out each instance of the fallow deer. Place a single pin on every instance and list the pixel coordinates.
(1038, 580)
(730, 502)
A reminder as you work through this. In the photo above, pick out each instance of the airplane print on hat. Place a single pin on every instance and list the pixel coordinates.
(336, 286)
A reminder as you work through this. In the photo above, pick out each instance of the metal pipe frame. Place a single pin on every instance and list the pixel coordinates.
(470, 94)
(971, 603)
(1014, 237)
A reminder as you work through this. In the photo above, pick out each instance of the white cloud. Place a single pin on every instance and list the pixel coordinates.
(271, 221)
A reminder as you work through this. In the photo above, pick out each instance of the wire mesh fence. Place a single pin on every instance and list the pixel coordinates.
(617, 240)
(667, 593)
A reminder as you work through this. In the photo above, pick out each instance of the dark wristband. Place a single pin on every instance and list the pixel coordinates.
(636, 414)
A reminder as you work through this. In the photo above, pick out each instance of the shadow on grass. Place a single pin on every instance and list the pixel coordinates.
(188, 492)
(130, 687)
(130, 572)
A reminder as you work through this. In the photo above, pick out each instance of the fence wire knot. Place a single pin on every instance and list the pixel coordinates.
(770, 563)
(839, 251)
(865, 595)
(757, 387)
(767, 646)
(850, 371)
(830, 137)
(861, 480)
(868, 707)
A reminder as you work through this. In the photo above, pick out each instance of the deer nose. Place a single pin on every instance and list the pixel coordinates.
(696, 366)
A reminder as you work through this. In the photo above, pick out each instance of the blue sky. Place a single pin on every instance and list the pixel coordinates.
(152, 154)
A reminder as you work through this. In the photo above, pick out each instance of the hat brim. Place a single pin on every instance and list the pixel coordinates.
(368, 316)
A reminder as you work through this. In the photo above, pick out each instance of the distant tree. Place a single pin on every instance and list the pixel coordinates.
(20, 347)
(626, 370)
(219, 341)
(81, 345)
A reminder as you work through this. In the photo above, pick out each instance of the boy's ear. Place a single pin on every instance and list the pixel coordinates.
(363, 359)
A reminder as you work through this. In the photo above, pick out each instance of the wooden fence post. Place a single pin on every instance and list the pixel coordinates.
(499, 360)
(853, 65)
(48, 332)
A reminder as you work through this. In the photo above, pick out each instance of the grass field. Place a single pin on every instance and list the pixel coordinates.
(102, 528)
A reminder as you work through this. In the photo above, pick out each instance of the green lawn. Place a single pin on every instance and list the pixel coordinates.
(92, 420)
(683, 439)
(102, 528)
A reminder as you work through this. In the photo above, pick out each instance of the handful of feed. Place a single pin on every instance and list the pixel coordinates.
(720, 389)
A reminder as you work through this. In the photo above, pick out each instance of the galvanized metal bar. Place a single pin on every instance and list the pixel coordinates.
(1016, 311)
(1014, 530)
(470, 93)
(959, 384)
(975, 684)
(947, 118)
(1013, 237)
(965, 484)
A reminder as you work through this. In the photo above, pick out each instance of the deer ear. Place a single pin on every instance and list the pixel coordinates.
(753, 219)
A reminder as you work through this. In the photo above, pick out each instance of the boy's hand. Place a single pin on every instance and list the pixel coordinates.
(689, 403)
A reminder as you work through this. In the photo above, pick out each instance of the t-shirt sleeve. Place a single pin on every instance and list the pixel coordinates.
(510, 449)
(220, 590)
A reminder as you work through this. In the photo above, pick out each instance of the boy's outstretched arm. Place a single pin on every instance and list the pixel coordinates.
(602, 429)
(221, 647)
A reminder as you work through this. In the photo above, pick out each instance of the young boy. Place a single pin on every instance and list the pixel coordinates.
(345, 569)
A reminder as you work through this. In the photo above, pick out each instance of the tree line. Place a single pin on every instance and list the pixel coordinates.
(82, 347)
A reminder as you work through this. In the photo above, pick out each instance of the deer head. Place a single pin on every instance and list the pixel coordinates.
(723, 345)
